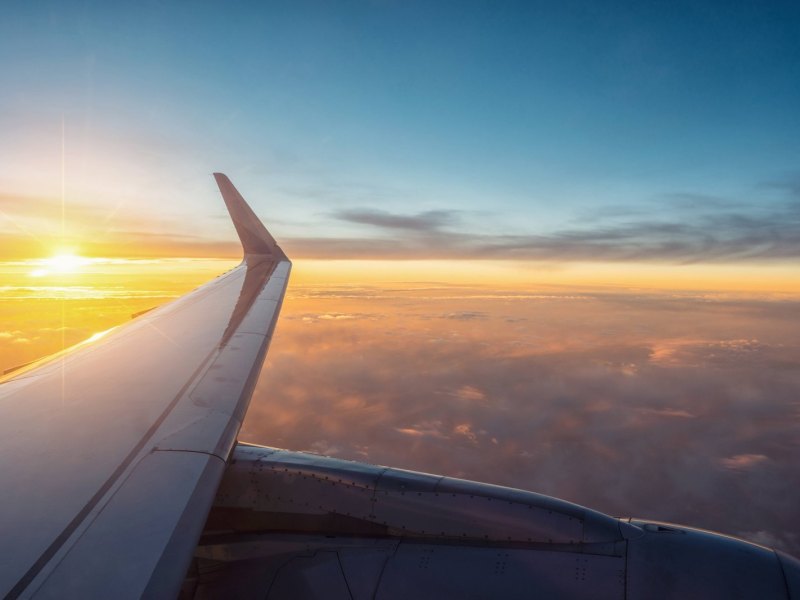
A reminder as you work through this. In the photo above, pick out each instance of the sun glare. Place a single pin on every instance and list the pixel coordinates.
(59, 264)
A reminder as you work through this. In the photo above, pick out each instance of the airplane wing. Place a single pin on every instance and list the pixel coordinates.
(111, 454)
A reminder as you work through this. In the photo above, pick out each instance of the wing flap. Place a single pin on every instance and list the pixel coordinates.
(108, 561)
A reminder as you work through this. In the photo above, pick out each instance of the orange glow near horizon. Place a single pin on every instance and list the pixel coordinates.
(755, 279)
(50, 303)
(768, 280)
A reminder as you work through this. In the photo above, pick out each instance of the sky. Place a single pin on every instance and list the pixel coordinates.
(547, 246)
(625, 134)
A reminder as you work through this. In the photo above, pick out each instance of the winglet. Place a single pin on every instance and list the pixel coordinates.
(255, 238)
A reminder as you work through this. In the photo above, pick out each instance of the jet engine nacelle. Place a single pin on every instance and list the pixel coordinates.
(672, 561)
(292, 524)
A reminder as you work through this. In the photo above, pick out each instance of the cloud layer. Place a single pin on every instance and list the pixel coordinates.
(675, 408)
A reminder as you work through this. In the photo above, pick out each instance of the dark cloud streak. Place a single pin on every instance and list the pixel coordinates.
(432, 220)
(700, 236)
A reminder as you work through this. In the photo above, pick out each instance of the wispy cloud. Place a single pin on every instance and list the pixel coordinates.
(742, 462)
(709, 230)
(433, 220)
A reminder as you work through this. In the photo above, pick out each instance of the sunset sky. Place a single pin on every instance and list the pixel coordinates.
(549, 246)
(624, 133)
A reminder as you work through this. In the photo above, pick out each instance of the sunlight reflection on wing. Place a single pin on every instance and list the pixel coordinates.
(97, 336)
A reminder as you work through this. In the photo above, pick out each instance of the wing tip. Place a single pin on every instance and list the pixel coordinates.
(255, 238)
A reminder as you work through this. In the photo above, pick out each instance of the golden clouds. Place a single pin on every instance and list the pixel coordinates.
(673, 406)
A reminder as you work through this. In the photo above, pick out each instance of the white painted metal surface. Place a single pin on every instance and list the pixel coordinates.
(110, 455)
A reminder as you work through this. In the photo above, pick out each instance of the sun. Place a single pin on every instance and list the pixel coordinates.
(60, 264)
(66, 263)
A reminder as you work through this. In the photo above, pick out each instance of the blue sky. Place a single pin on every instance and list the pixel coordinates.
(513, 118)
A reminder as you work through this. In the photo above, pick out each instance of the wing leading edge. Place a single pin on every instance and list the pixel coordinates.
(110, 455)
